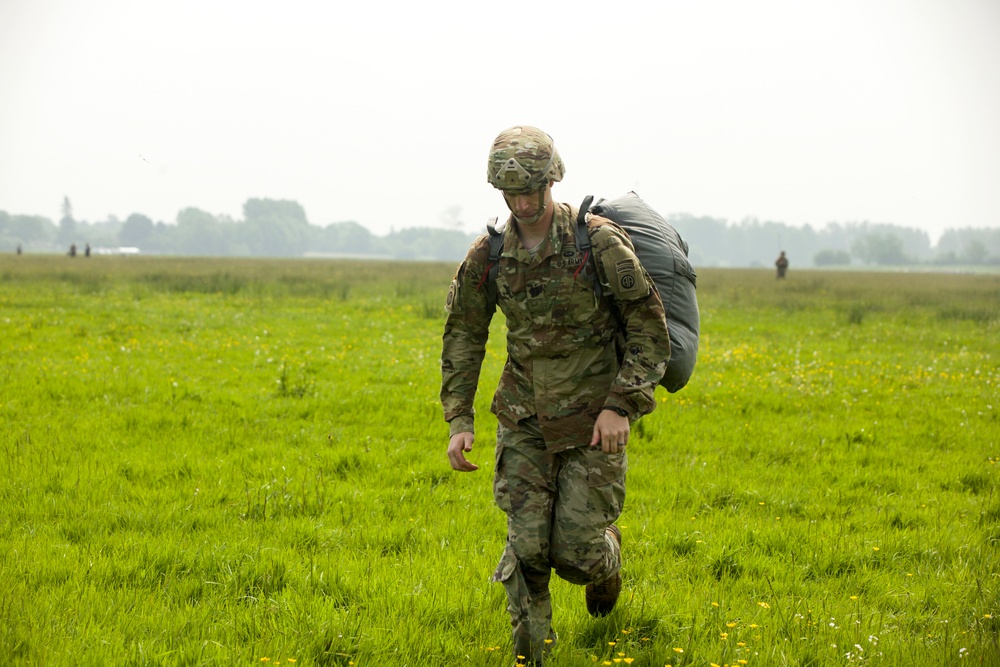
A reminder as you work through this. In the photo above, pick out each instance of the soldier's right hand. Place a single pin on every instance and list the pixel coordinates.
(459, 444)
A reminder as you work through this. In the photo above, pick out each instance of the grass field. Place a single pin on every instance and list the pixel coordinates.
(217, 462)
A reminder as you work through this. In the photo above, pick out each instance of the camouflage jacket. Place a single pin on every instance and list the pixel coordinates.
(565, 360)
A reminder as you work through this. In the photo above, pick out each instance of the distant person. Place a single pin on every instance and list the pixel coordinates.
(565, 397)
(72, 250)
(18, 248)
(781, 264)
(86, 251)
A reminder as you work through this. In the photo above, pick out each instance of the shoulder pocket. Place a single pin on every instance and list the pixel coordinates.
(452, 303)
(625, 275)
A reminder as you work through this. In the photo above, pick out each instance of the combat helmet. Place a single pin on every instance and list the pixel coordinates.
(523, 159)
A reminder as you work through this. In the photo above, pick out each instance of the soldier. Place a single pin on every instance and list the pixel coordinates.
(573, 381)
(781, 264)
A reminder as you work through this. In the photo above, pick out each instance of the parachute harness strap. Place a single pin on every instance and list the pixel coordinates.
(583, 241)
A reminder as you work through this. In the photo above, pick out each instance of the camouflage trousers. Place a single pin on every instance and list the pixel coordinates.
(558, 506)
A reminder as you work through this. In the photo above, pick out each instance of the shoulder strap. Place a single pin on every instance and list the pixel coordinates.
(489, 279)
(496, 236)
(583, 243)
(582, 236)
(496, 245)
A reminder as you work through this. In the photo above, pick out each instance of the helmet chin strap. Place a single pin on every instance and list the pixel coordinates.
(540, 209)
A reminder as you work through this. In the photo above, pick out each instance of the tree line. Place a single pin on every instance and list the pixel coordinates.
(269, 228)
(279, 228)
(751, 242)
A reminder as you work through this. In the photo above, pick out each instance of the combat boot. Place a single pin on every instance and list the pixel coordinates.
(601, 598)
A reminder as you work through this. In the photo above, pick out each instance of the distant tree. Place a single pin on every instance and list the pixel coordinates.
(427, 243)
(7, 239)
(975, 252)
(101, 233)
(67, 225)
(705, 237)
(199, 233)
(832, 258)
(135, 231)
(878, 248)
(26, 228)
(955, 246)
(348, 238)
(949, 257)
(275, 227)
(894, 244)
(162, 240)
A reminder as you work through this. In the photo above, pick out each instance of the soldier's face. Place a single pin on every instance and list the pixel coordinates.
(528, 208)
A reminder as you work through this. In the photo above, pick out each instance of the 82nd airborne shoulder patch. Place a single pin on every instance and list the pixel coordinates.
(451, 303)
(624, 275)
(625, 271)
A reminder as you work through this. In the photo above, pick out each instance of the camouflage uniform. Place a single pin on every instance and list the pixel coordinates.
(781, 264)
(562, 369)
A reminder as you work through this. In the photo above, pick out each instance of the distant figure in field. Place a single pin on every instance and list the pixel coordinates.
(72, 250)
(781, 264)
(18, 248)
(86, 251)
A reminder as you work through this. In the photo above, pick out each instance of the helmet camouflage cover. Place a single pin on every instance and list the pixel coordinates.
(523, 159)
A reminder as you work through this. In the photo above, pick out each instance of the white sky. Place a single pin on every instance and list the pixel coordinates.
(383, 112)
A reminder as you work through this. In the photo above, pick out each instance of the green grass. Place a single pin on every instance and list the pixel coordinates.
(227, 461)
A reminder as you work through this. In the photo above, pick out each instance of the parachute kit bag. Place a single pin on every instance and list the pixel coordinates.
(664, 255)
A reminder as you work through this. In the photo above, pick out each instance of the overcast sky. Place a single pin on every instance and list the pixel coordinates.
(383, 112)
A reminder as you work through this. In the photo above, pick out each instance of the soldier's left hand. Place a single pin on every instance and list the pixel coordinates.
(611, 432)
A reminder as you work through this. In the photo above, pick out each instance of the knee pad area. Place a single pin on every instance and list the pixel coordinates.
(581, 564)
